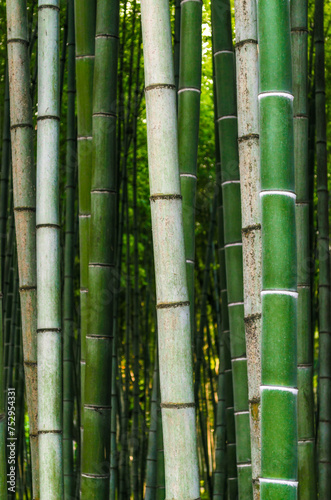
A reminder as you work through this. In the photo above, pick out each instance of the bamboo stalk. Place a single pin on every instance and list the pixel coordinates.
(248, 145)
(189, 89)
(174, 339)
(3, 422)
(24, 205)
(5, 162)
(85, 12)
(48, 257)
(306, 431)
(228, 136)
(68, 293)
(279, 271)
(324, 315)
(150, 493)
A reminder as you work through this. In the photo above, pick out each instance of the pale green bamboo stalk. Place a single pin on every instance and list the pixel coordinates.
(249, 166)
(306, 428)
(279, 264)
(189, 89)
(22, 137)
(174, 338)
(48, 256)
(324, 313)
(69, 255)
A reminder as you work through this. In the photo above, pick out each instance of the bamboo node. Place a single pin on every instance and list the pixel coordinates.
(156, 197)
(47, 6)
(160, 86)
(177, 406)
(168, 305)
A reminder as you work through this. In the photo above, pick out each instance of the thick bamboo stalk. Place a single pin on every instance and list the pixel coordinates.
(174, 339)
(85, 12)
(97, 399)
(248, 145)
(228, 136)
(48, 257)
(306, 431)
(324, 316)
(189, 88)
(24, 205)
(69, 255)
(279, 271)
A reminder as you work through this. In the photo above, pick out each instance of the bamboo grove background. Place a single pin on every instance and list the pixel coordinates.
(108, 418)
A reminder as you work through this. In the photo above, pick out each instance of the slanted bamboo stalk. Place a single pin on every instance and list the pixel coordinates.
(306, 431)
(248, 144)
(279, 271)
(48, 257)
(324, 316)
(97, 399)
(228, 137)
(69, 255)
(24, 205)
(173, 312)
(189, 89)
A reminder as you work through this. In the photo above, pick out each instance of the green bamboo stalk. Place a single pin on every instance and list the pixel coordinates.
(177, 43)
(228, 136)
(85, 12)
(174, 339)
(160, 479)
(189, 89)
(24, 205)
(306, 431)
(68, 293)
(324, 315)
(5, 162)
(48, 257)
(279, 272)
(3, 420)
(97, 399)
(248, 145)
(150, 493)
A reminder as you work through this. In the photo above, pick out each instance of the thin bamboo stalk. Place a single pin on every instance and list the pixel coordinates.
(306, 430)
(174, 339)
(279, 270)
(3, 422)
(97, 399)
(69, 255)
(248, 145)
(24, 205)
(160, 479)
(48, 257)
(5, 162)
(189, 89)
(324, 315)
(150, 493)
(228, 139)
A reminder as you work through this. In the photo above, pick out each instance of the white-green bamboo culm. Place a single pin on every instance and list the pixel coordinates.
(48, 256)
(248, 144)
(22, 136)
(173, 309)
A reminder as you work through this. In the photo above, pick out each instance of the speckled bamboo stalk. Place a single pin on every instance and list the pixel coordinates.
(85, 12)
(97, 400)
(173, 313)
(24, 191)
(48, 256)
(69, 256)
(228, 138)
(306, 431)
(279, 457)
(188, 127)
(249, 166)
(324, 318)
